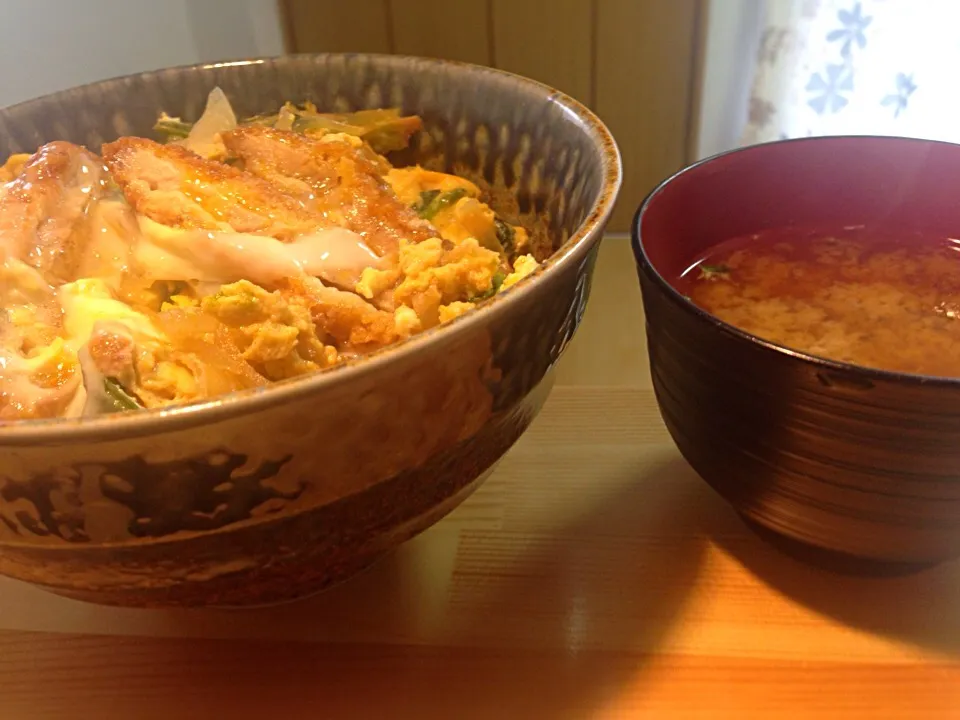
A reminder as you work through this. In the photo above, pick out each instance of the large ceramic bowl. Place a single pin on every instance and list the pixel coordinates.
(265, 496)
(857, 462)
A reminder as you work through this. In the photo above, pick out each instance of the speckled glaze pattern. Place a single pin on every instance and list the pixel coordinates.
(856, 468)
(269, 495)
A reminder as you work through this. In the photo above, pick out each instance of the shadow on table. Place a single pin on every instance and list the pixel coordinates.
(922, 607)
(548, 623)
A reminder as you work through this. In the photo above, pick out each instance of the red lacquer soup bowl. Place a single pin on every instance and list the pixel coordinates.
(847, 461)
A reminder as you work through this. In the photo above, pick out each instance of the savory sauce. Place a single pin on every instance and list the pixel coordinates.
(874, 298)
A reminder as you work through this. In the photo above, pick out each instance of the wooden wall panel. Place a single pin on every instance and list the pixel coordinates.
(633, 61)
(449, 29)
(341, 26)
(644, 76)
(548, 40)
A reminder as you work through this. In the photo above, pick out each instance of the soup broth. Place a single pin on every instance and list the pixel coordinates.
(879, 299)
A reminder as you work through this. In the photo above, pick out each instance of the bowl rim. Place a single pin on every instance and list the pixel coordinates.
(51, 431)
(815, 362)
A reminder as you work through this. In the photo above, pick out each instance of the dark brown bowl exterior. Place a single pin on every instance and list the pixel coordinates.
(270, 495)
(860, 462)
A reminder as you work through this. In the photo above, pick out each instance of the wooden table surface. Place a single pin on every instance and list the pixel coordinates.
(593, 576)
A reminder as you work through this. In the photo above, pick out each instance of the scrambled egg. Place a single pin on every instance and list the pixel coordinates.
(429, 277)
(522, 266)
(148, 338)
(454, 310)
(409, 183)
(407, 321)
(165, 381)
(441, 278)
(28, 329)
(275, 334)
(158, 374)
(50, 366)
(12, 167)
(467, 218)
(89, 301)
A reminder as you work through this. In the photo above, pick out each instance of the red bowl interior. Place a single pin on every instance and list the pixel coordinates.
(894, 183)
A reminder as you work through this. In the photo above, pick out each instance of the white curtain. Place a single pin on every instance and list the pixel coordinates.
(855, 67)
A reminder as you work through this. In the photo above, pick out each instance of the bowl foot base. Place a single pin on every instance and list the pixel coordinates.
(268, 594)
(305, 592)
(832, 560)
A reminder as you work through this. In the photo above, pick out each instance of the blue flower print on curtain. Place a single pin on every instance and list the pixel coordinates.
(831, 88)
(856, 67)
(828, 89)
(899, 99)
(852, 31)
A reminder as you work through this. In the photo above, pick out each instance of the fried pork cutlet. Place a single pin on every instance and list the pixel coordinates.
(177, 188)
(43, 210)
(347, 319)
(342, 180)
(172, 186)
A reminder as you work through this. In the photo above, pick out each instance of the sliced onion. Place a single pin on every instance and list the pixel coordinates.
(218, 117)
(196, 333)
(335, 254)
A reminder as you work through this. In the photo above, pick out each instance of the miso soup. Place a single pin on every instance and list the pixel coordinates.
(880, 299)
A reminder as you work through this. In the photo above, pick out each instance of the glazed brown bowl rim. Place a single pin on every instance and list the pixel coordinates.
(818, 363)
(145, 422)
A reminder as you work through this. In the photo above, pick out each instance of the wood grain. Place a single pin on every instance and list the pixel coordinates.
(206, 679)
(645, 76)
(594, 575)
(357, 26)
(443, 29)
(635, 63)
(547, 40)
